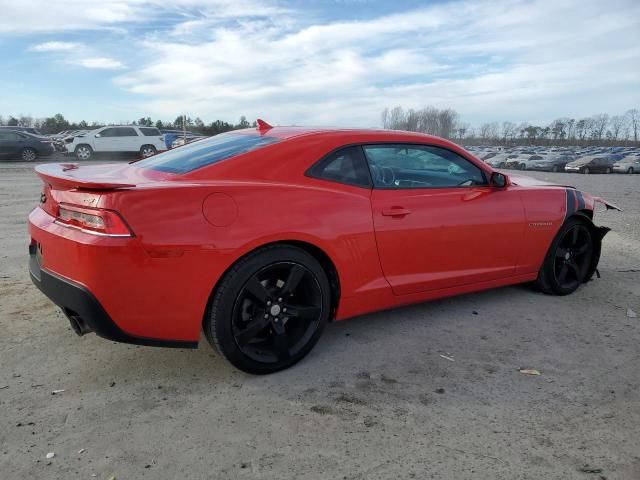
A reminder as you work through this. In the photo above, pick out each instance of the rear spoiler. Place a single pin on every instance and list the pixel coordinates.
(62, 175)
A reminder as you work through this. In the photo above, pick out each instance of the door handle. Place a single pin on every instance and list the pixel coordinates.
(395, 212)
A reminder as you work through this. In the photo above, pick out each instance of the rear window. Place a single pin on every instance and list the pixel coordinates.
(205, 152)
(150, 132)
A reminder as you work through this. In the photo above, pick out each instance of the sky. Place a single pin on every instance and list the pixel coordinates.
(332, 62)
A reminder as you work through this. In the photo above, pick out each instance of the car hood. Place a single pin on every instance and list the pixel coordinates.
(524, 181)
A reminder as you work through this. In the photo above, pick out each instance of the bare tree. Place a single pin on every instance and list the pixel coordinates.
(509, 130)
(617, 125)
(599, 125)
(634, 121)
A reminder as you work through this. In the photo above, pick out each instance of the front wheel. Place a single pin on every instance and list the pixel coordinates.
(586, 171)
(569, 258)
(28, 155)
(630, 170)
(523, 166)
(269, 310)
(147, 151)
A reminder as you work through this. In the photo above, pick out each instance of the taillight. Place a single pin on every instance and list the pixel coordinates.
(96, 221)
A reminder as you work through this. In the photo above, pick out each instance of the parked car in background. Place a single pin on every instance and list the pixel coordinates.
(145, 141)
(170, 136)
(178, 142)
(592, 164)
(500, 160)
(522, 162)
(551, 163)
(24, 146)
(627, 165)
(31, 130)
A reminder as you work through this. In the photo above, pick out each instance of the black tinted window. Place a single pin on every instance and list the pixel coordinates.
(150, 132)
(126, 132)
(418, 166)
(108, 132)
(8, 136)
(346, 165)
(206, 152)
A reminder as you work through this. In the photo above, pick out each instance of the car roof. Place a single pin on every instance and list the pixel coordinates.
(287, 132)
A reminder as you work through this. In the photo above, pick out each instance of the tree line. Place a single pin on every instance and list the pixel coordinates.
(58, 123)
(600, 129)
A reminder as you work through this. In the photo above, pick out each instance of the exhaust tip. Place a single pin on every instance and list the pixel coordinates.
(77, 323)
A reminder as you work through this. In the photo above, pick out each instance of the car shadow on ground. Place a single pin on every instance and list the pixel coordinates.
(360, 342)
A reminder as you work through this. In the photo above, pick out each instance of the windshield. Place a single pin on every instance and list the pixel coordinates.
(205, 152)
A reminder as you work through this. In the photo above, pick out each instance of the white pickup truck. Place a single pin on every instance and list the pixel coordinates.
(145, 141)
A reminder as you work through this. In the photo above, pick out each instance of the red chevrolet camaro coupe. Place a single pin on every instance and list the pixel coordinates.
(262, 236)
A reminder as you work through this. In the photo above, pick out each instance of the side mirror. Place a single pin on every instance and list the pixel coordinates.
(97, 135)
(498, 180)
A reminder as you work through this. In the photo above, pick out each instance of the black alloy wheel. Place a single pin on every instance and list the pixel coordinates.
(270, 309)
(573, 257)
(277, 312)
(569, 259)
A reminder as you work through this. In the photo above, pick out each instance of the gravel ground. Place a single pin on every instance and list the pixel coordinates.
(375, 399)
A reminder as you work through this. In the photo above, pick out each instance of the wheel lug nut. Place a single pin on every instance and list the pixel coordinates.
(266, 315)
(284, 309)
(268, 302)
(280, 299)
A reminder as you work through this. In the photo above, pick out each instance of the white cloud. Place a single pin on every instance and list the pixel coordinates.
(490, 60)
(103, 63)
(56, 47)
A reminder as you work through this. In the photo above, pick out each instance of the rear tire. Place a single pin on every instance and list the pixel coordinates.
(28, 155)
(251, 319)
(83, 152)
(569, 258)
(147, 151)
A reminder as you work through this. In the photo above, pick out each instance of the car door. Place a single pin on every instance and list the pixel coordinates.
(11, 144)
(106, 140)
(438, 224)
(129, 139)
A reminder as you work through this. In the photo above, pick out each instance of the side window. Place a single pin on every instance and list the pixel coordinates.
(108, 132)
(420, 166)
(126, 132)
(150, 132)
(346, 165)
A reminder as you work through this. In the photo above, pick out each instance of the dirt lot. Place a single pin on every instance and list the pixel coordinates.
(375, 399)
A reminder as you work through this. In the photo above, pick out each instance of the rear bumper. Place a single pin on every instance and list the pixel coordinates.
(113, 287)
(83, 310)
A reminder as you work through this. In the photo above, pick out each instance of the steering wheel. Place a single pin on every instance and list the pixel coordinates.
(382, 175)
(387, 177)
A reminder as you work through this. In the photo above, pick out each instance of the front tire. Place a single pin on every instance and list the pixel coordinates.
(608, 170)
(269, 310)
(630, 171)
(83, 152)
(569, 258)
(28, 155)
(586, 171)
(523, 166)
